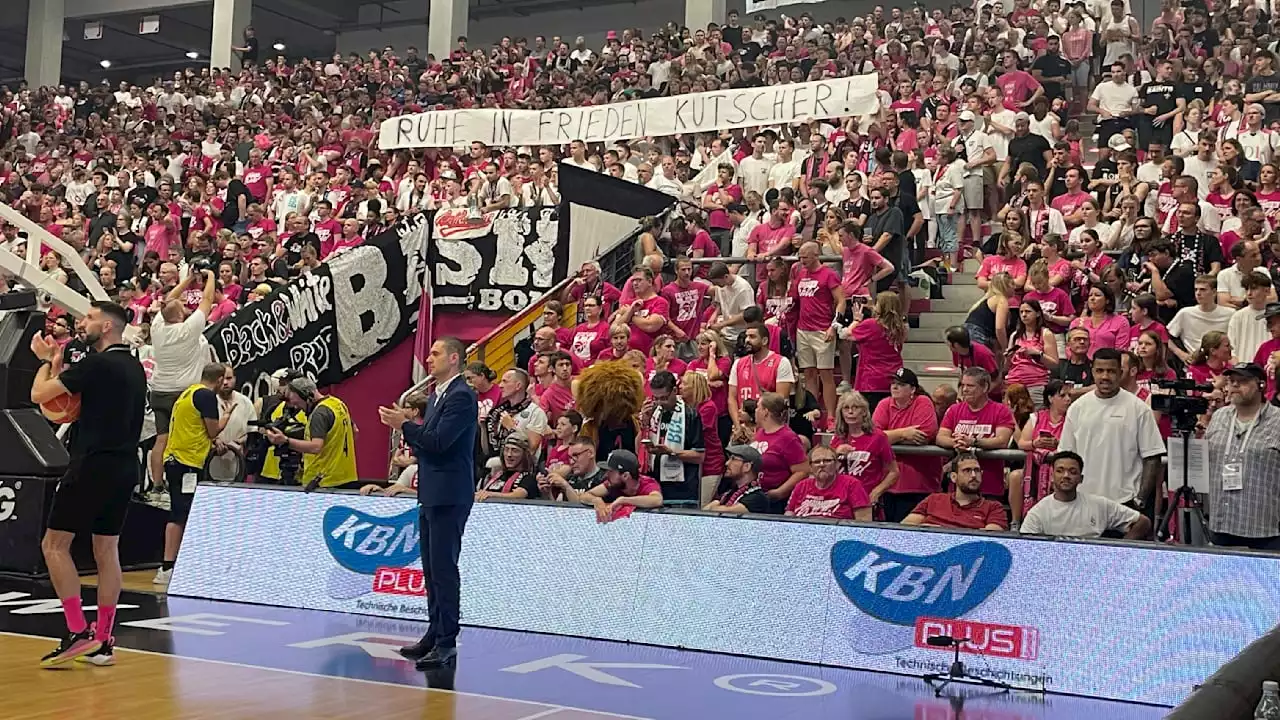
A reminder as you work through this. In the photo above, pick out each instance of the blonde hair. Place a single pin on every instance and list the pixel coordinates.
(1039, 268)
(857, 400)
(888, 313)
(1002, 283)
(716, 339)
(695, 388)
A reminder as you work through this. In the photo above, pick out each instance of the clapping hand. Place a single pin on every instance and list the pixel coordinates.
(393, 417)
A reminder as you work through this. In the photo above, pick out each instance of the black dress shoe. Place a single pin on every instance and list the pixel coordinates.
(436, 658)
(418, 650)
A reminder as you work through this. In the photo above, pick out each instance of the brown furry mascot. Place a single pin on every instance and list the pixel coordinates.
(609, 396)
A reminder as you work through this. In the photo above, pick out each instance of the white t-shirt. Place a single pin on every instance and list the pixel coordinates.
(753, 174)
(1230, 280)
(1199, 169)
(975, 145)
(533, 419)
(1088, 516)
(783, 174)
(1114, 98)
(1115, 434)
(732, 301)
(1247, 330)
(180, 352)
(1191, 324)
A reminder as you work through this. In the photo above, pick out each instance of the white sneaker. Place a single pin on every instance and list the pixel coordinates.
(162, 577)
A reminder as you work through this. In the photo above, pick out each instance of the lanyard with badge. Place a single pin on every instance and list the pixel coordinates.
(1233, 463)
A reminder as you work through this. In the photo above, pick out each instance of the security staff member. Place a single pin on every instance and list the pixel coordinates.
(331, 437)
(193, 428)
(274, 407)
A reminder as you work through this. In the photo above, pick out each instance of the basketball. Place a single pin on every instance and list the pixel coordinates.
(62, 409)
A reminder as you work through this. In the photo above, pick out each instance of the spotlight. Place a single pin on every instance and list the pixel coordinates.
(279, 47)
(193, 55)
(105, 64)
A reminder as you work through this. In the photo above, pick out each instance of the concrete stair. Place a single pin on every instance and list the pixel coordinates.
(926, 351)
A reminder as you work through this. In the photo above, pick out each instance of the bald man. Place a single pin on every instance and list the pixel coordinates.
(819, 299)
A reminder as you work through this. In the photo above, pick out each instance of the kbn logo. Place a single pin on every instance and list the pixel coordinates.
(8, 497)
(899, 588)
(362, 543)
(1006, 641)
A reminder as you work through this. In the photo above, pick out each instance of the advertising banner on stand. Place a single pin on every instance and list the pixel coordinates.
(1067, 617)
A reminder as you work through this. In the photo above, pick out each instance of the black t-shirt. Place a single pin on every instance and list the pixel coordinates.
(206, 402)
(294, 244)
(1200, 250)
(1181, 280)
(1102, 170)
(1205, 40)
(1197, 90)
(74, 351)
(1077, 375)
(526, 480)
(1053, 68)
(250, 55)
(890, 221)
(231, 211)
(751, 497)
(1029, 149)
(126, 262)
(113, 390)
(1163, 95)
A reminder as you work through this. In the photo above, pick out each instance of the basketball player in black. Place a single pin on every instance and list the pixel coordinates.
(93, 496)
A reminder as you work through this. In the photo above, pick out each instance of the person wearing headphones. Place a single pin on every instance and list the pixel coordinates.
(274, 408)
(330, 441)
(193, 429)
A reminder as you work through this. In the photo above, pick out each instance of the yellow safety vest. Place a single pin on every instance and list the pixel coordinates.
(271, 462)
(189, 441)
(336, 463)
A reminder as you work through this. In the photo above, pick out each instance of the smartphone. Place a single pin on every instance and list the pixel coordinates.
(646, 441)
(1045, 434)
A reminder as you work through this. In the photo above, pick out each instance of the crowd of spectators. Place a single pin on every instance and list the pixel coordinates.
(1107, 261)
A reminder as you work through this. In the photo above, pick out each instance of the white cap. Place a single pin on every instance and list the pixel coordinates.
(967, 116)
(1118, 143)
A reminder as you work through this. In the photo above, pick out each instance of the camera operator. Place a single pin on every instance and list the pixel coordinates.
(179, 351)
(331, 437)
(1244, 464)
(194, 427)
(264, 462)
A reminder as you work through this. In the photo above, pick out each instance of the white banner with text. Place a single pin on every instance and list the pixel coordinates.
(695, 112)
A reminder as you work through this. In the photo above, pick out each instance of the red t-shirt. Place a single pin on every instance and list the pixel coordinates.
(981, 356)
(1018, 86)
(838, 500)
(719, 395)
(815, 299)
(961, 419)
(713, 452)
(1054, 302)
(586, 341)
(555, 400)
(878, 357)
(858, 264)
(779, 450)
(255, 179)
(942, 510)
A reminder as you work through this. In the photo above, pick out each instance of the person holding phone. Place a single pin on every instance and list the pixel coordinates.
(1039, 440)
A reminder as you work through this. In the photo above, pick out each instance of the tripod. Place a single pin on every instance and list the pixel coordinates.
(1185, 501)
(957, 673)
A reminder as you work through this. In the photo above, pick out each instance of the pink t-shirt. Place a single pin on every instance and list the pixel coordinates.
(656, 305)
(1054, 302)
(686, 304)
(1023, 368)
(858, 264)
(160, 238)
(766, 237)
(916, 473)
(779, 450)
(585, 341)
(993, 265)
(870, 458)
(961, 419)
(1263, 359)
(719, 219)
(555, 400)
(1068, 203)
(485, 401)
(815, 300)
(837, 501)
(1018, 86)
(1135, 331)
(675, 367)
(713, 452)
(878, 357)
(1112, 333)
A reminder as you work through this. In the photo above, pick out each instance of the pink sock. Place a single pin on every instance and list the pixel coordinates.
(106, 619)
(71, 607)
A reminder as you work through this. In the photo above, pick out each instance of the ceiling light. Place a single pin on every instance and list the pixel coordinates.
(279, 47)
(193, 55)
(105, 64)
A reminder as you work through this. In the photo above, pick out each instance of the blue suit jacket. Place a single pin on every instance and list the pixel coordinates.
(445, 446)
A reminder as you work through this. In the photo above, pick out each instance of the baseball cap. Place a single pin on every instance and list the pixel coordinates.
(966, 116)
(1272, 310)
(623, 461)
(746, 453)
(906, 376)
(1022, 117)
(1118, 143)
(1248, 369)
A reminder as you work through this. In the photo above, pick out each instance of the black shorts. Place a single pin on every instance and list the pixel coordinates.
(93, 495)
(179, 502)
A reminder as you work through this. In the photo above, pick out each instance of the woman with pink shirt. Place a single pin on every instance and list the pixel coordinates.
(775, 300)
(1054, 301)
(488, 394)
(589, 338)
(1088, 269)
(783, 460)
(662, 356)
(697, 394)
(1033, 350)
(1039, 438)
(1008, 259)
(879, 339)
(1106, 328)
(714, 361)
(865, 452)
(1142, 318)
(1060, 270)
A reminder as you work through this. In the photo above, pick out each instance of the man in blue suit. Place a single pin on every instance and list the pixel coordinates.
(444, 444)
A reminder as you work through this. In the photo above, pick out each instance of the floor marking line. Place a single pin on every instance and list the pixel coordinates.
(545, 713)
(551, 707)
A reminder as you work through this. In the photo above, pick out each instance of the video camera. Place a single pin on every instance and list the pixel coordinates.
(1184, 409)
(256, 446)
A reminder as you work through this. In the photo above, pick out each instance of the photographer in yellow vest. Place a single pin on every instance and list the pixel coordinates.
(274, 408)
(330, 444)
(193, 429)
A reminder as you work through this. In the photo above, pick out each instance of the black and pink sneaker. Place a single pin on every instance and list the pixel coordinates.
(74, 645)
